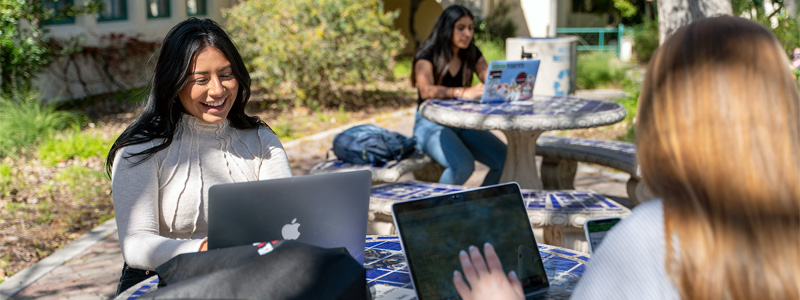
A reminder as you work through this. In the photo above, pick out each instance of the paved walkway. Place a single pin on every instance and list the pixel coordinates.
(93, 273)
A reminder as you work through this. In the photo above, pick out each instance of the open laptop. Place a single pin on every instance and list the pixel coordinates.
(509, 80)
(433, 231)
(325, 210)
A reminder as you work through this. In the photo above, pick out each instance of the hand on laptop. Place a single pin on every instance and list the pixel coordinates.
(472, 92)
(486, 279)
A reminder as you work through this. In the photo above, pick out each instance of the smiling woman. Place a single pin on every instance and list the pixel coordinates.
(192, 134)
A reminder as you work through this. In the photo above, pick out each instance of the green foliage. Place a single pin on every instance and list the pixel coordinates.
(599, 69)
(309, 50)
(5, 176)
(632, 88)
(24, 120)
(497, 25)
(402, 67)
(787, 31)
(83, 182)
(625, 8)
(645, 40)
(73, 144)
(24, 50)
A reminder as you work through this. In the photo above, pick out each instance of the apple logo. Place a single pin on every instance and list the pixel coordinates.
(290, 231)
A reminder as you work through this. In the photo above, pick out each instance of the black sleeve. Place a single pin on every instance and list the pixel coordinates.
(425, 55)
(479, 54)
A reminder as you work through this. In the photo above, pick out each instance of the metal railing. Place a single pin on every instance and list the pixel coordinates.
(601, 40)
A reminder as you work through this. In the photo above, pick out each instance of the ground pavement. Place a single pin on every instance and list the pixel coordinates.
(93, 273)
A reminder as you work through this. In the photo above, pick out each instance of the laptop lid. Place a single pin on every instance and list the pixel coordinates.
(325, 210)
(433, 230)
(510, 80)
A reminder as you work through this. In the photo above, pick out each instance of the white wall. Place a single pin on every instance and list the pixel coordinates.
(52, 81)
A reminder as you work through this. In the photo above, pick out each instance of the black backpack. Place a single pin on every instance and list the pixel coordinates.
(368, 144)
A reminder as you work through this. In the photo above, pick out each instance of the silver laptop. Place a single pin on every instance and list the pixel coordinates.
(326, 210)
(433, 230)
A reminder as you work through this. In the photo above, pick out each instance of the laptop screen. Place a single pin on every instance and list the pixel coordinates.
(434, 230)
(510, 80)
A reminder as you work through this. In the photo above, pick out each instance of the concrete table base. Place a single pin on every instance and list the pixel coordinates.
(520, 163)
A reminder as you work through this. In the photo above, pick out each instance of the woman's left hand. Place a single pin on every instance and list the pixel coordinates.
(486, 279)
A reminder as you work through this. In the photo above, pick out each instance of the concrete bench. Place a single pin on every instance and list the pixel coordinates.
(422, 166)
(557, 216)
(560, 157)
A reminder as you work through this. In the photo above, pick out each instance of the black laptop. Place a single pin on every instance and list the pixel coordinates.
(433, 230)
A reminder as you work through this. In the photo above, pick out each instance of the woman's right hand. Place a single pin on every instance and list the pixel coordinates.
(486, 278)
(472, 92)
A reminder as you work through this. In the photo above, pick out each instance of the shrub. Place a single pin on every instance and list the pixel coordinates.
(310, 49)
(645, 40)
(73, 144)
(25, 121)
(497, 25)
(599, 69)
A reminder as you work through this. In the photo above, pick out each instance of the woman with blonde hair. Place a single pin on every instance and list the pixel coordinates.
(718, 137)
(718, 140)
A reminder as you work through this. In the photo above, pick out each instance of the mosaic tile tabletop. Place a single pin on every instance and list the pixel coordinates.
(543, 113)
(389, 279)
(388, 275)
(545, 207)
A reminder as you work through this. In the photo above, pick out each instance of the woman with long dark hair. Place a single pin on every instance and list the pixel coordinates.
(192, 134)
(443, 68)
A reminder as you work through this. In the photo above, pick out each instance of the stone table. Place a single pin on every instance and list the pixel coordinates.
(522, 122)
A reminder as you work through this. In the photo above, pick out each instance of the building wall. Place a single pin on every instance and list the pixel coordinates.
(60, 80)
(426, 15)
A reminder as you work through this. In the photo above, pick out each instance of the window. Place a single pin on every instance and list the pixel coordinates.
(157, 9)
(57, 6)
(114, 10)
(196, 7)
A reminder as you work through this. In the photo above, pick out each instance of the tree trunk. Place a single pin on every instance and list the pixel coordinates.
(791, 7)
(672, 14)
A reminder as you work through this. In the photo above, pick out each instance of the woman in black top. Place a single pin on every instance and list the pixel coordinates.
(443, 68)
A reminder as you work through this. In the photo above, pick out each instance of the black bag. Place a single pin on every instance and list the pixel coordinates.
(368, 144)
(277, 270)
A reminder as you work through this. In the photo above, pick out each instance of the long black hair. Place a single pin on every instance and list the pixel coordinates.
(440, 43)
(160, 119)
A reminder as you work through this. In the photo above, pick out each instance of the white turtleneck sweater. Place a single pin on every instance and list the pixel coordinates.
(161, 205)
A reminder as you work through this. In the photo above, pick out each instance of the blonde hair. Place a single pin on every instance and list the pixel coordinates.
(718, 140)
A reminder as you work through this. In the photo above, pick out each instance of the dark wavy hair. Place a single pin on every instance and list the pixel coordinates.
(160, 119)
(440, 43)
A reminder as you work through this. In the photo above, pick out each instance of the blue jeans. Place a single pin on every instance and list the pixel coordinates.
(457, 149)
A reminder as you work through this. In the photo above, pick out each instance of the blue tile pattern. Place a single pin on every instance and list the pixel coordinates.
(386, 265)
(547, 106)
(543, 113)
(568, 201)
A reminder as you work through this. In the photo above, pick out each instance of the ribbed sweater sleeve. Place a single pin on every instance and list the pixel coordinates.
(135, 190)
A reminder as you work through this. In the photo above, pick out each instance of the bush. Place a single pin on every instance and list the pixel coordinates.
(73, 144)
(310, 49)
(787, 31)
(497, 25)
(599, 69)
(25, 121)
(645, 40)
